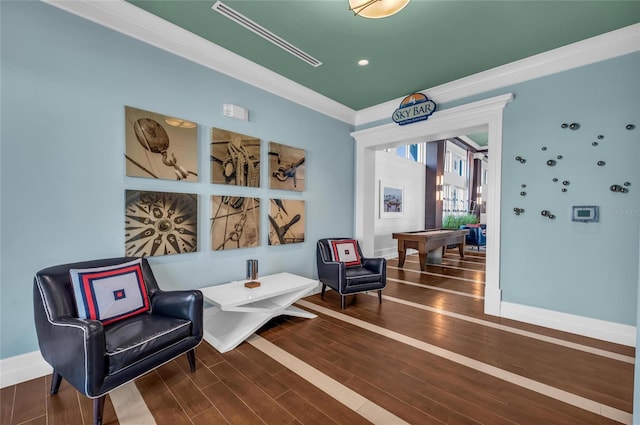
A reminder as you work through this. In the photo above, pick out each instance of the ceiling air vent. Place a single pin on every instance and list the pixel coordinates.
(264, 33)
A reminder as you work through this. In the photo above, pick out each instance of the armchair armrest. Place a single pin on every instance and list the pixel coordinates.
(74, 347)
(186, 305)
(332, 273)
(376, 265)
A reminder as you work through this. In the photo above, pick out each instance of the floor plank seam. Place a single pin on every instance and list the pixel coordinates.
(448, 266)
(436, 288)
(464, 279)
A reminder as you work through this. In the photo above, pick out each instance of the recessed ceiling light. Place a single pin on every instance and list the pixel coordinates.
(363, 62)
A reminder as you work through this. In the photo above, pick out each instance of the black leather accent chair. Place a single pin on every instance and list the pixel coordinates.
(96, 358)
(370, 275)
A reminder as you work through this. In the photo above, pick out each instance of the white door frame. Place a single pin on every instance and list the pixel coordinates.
(476, 117)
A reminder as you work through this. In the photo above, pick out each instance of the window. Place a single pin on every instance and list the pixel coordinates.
(414, 152)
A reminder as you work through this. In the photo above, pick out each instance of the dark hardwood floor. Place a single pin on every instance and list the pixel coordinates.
(426, 355)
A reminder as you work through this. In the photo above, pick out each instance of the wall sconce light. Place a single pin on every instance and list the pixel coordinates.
(439, 187)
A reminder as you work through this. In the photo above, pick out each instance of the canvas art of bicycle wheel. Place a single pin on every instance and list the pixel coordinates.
(235, 158)
(160, 223)
(286, 167)
(286, 221)
(235, 222)
(160, 146)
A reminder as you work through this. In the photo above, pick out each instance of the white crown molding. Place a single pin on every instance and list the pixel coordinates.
(586, 326)
(137, 23)
(602, 47)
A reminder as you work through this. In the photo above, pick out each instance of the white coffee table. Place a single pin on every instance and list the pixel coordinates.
(238, 311)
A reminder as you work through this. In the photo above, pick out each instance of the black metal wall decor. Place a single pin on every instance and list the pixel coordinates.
(618, 188)
(547, 213)
(553, 162)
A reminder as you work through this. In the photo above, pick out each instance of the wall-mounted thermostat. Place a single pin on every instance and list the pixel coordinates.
(586, 213)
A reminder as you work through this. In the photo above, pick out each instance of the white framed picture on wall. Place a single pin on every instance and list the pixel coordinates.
(391, 201)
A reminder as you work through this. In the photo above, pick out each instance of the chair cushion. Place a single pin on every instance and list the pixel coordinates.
(345, 251)
(134, 339)
(110, 293)
(361, 275)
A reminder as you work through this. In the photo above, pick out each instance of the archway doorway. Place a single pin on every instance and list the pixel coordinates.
(476, 117)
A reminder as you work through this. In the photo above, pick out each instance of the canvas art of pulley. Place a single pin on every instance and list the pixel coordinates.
(154, 138)
(283, 174)
(239, 167)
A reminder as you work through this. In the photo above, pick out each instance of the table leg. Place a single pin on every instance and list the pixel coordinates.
(422, 255)
(461, 249)
(402, 253)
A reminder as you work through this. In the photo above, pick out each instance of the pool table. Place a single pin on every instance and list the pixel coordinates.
(428, 240)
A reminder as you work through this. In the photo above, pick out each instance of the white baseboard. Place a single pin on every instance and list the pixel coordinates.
(387, 253)
(585, 326)
(24, 367)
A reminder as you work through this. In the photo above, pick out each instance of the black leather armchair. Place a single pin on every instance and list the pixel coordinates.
(370, 275)
(96, 358)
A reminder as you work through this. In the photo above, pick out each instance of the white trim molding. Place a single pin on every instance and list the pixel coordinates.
(21, 368)
(586, 326)
(483, 115)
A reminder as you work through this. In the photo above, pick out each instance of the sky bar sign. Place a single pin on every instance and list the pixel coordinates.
(413, 108)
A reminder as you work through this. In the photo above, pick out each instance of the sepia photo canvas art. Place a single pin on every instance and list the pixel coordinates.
(160, 223)
(235, 158)
(286, 167)
(286, 221)
(160, 146)
(235, 222)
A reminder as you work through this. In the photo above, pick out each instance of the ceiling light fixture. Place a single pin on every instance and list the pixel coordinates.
(375, 9)
(363, 62)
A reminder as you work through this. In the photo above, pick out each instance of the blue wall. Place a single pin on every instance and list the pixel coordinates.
(65, 82)
(588, 270)
(585, 269)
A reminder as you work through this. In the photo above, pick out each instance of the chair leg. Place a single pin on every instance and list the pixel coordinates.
(343, 299)
(191, 355)
(379, 296)
(98, 408)
(322, 290)
(56, 379)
